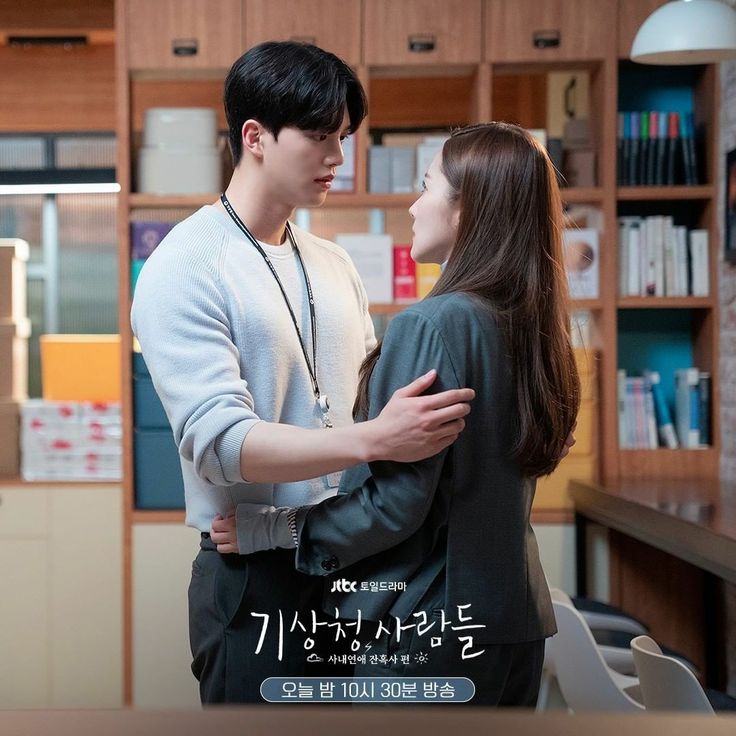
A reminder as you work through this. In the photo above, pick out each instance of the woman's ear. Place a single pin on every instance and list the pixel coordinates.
(252, 137)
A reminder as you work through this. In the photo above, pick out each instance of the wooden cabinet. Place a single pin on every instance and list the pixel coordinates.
(416, 32)
(24, 612)
(631, 14)
(161, 570)
(183, 34)
(333, 25)
(554, 30)
(61, 604)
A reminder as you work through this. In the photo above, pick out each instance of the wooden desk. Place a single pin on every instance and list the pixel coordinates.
(672, 543)
(325, 720)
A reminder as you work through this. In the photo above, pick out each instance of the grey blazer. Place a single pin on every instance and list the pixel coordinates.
(465, 510)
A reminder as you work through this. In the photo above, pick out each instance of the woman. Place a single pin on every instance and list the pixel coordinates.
(447, 541)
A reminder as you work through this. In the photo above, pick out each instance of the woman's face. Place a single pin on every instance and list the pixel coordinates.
(435, 216)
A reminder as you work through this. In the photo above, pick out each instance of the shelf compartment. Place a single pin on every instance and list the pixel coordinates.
(700, 463)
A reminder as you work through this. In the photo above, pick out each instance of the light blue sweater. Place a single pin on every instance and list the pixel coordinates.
(223, 352)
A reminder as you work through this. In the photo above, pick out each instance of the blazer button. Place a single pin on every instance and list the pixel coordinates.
(331, 563)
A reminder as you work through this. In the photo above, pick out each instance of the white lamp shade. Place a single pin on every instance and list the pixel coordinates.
(687, 32)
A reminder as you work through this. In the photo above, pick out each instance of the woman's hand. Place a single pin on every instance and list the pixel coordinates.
(252, 527)
(224, 534)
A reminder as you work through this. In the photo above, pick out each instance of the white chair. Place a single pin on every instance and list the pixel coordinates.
(574, 660)
(666, 684)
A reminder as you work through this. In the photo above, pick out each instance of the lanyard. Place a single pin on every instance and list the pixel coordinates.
(320, 398)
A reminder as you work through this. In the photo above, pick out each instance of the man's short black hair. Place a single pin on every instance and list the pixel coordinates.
(289, 84)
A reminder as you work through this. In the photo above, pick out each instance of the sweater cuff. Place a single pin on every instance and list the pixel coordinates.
(228, 447)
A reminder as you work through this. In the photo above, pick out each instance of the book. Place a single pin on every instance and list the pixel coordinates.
(405, 276)
(145, 237)
(403, 167)
(652, 147)
(704, 407)
(659, 168)
(373, 259)
(699, 262)
(670, 272)
(687, 133)
(687, 406)
(665, 427)
(673, 128)
(623, 434)
(681, 261)
(581, 256)
(379, 170)
(625, 150)
(644, 146)
(427, 276)
(620, 123)
(635, 132)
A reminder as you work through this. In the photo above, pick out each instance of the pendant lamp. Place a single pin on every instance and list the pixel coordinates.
(687, 32)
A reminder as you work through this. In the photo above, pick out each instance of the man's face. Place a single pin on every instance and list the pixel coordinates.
(300, 165)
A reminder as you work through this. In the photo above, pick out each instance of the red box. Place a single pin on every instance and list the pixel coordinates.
(405, 275)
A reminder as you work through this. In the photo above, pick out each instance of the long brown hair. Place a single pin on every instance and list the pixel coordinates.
(508, 253)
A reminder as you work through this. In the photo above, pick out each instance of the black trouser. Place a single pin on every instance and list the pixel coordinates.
(506, 675)
(224, 592)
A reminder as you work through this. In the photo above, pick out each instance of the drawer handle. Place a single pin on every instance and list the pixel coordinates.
(184, 47)
(305, 39)
(546, 39)
(422, 44)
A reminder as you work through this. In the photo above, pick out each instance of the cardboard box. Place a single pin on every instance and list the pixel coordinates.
(14, 359)
(13, 257)
(9, 439)
(80, 367)
(70, 441)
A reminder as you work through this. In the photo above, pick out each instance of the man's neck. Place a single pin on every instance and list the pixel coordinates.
(264, 217)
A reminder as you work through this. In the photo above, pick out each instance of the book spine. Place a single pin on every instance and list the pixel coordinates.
(644, 145)
(665, 427)
(620, 118)
(634, 246)
(635, 131)
(626, 152)
(652, 152)
(704, 383)
(651, 419)
(687, 163)
(659, 170)
(623, 434)
(699, 262)
(670, 272)
(672, 145)
(692, 157)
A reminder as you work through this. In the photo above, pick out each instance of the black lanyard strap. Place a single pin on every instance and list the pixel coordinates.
(311, 367)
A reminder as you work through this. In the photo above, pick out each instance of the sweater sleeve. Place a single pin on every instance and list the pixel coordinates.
(180, 318)
(395, 499)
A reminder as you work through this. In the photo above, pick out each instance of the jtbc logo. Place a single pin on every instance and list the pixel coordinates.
(344, 586)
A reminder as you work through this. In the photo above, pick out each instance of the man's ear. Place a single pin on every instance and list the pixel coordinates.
(252, 137)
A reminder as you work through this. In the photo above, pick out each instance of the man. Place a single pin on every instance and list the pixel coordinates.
(254, 331)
